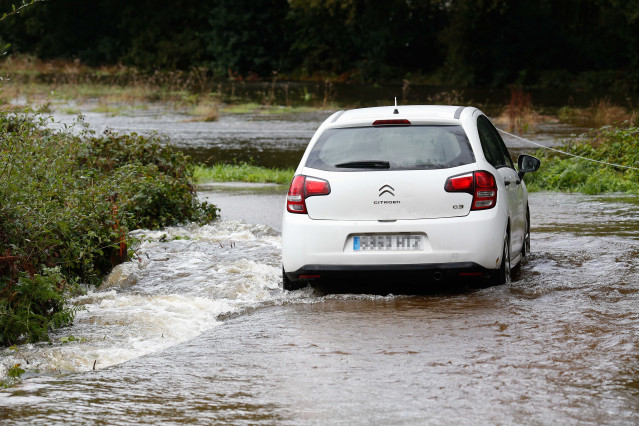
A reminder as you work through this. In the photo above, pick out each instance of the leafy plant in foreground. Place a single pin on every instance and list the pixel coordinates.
(67, 201)
(32, 305)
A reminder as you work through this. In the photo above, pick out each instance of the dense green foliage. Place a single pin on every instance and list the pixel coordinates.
(583, 44)
(611, 145)
(242, 172)
(365, 39)
(67, 202)
(33, 305)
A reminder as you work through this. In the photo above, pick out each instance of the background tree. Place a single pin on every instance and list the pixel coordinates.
(366, 38)
(593, 43)
(245, 36)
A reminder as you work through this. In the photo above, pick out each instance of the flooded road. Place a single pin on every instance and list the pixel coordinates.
(197, 330)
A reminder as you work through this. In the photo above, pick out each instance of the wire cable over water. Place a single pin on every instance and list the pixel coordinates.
(566, 153)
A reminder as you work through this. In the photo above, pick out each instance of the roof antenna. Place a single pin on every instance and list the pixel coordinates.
(396, 111)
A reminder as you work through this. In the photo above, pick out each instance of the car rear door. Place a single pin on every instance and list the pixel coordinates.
(498, 156)
(388, 195)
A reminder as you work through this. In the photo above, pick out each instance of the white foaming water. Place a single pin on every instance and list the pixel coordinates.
(179, 282)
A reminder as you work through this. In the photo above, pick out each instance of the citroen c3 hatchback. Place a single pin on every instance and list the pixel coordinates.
(429, 192)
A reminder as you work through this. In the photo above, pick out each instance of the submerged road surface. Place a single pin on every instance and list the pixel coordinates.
(197, 330)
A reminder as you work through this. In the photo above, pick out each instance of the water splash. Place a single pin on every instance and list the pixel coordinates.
(180, 282)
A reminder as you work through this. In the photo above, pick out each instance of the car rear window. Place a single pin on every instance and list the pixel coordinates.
(391, 148)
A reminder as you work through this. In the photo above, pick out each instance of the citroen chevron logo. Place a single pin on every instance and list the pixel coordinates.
(386, 189)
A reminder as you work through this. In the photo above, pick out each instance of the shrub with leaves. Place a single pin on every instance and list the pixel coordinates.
(67, 202)
(32, 305)
(607, 144)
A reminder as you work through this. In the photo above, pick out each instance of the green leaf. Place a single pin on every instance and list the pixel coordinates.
(67, 339)
(15, 371)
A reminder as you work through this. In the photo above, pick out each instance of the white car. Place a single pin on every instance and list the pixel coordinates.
(418, 193)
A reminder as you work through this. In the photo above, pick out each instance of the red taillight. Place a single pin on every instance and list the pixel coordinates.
(303, 187)
(395, 122)
(485, 195)
(460, 184)
(295, 198)
(481, 185)
(314, 186)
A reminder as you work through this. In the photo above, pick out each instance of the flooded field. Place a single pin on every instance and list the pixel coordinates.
(196, 329)
(266, 139)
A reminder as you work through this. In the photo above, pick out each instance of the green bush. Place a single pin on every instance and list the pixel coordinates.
(67, 202)
(560, 172)
(34, 304)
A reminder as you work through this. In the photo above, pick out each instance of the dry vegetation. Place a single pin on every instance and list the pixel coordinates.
(33, 82)
(601, 112)
(519, 115)
(74, 86)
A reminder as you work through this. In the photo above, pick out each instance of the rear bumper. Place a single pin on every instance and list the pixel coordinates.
(390, 274)
(461, 243)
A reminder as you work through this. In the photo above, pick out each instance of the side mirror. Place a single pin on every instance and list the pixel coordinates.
(527, 164)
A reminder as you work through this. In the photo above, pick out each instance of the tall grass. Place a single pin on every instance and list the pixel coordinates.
(36, 82)
(519, 114)
(601, 112)
(242, 172)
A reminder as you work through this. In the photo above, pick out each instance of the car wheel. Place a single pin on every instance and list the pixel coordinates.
(288, 284)
(503, 273)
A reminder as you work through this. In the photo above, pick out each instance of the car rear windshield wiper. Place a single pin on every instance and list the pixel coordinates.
(365, 165)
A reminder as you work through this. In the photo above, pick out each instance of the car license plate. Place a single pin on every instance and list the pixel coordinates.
(388, 242)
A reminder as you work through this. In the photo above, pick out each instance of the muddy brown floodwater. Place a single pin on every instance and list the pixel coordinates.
(197, 330)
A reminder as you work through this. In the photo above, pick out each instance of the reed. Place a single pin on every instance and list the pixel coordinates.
(601, 112)
(519, 114)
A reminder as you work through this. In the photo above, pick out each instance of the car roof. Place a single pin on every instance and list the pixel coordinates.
(416, 114)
